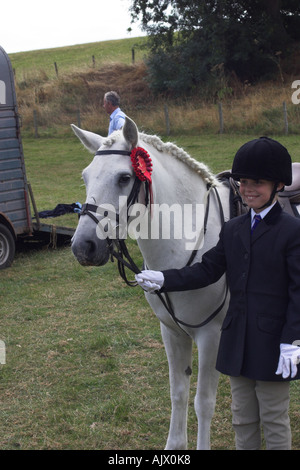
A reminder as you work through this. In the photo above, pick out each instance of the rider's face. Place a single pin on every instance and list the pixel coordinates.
(256, 193)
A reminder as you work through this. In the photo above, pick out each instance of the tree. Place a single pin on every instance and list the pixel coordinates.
(189, 39)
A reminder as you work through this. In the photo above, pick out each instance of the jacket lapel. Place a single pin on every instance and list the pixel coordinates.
(263, 227)
(267, 222)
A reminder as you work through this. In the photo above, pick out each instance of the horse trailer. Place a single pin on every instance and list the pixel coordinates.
(15, 192)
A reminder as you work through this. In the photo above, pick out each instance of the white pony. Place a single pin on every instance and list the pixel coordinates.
(177, 180)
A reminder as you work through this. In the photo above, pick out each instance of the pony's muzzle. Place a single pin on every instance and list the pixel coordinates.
(88, 252)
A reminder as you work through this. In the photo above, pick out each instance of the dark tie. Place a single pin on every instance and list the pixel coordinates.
(257, 219)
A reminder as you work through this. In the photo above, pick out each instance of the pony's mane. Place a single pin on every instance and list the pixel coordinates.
(173, 150)
(180, 154)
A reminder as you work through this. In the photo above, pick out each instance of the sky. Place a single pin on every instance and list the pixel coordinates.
(27, 25)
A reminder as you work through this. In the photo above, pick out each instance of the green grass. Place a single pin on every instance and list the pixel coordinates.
(86, 367)
(78, 57)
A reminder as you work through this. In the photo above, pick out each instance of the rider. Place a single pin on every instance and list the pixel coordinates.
(261, 331)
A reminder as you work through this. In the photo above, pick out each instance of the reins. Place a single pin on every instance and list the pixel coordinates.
(167, 302)
(122, 254)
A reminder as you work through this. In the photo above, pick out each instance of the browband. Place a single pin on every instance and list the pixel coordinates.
(142, 165)
(112, 152)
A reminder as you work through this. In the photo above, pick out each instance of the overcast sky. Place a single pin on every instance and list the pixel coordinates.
(27, 25)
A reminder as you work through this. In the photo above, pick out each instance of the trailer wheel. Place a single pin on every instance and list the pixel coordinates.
(7, 247)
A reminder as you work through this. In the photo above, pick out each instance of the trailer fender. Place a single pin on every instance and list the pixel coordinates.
(5, 221)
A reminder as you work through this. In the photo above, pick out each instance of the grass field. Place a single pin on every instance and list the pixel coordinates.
(86, 367)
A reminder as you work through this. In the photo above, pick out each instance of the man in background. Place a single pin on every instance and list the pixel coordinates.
(111, 104)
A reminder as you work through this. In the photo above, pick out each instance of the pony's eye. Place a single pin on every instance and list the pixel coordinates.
(124, 179)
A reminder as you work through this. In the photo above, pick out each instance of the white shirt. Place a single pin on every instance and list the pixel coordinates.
(116, 120)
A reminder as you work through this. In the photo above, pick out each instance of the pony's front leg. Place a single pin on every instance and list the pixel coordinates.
(179, 354)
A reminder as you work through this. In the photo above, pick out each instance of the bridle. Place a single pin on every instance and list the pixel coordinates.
(117, 247)
(119, 251)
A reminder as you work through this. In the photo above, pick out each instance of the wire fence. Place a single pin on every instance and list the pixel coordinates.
(170, 120)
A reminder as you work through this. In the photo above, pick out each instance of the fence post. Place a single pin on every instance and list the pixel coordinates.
(286, 124)
(167, 120)
(35, 124)
(56, 69)
(132, 55)
(94, 62)
(221, 120)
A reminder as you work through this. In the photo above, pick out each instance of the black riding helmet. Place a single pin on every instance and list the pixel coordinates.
(266, 159)
(263, 158)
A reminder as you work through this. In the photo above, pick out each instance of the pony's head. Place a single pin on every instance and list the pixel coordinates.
(121, 174)
(109, 178)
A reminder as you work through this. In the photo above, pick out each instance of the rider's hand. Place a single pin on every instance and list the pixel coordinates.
(149, 280)
(288, 360)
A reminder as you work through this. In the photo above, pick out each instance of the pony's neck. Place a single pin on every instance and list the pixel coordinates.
(176, 182)
(179, 197)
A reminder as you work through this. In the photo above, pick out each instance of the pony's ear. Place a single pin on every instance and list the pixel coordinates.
(130, 132)
(90, 140)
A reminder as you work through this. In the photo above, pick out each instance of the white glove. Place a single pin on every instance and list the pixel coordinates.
(288, 360)
(149, 280)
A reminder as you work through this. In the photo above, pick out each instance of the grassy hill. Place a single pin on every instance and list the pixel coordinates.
(85, 72)
(79, 56)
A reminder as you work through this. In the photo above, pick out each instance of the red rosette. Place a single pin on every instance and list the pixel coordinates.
(141, 163)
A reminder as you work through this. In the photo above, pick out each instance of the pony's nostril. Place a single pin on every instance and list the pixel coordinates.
(91, 247)
(84, 249)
